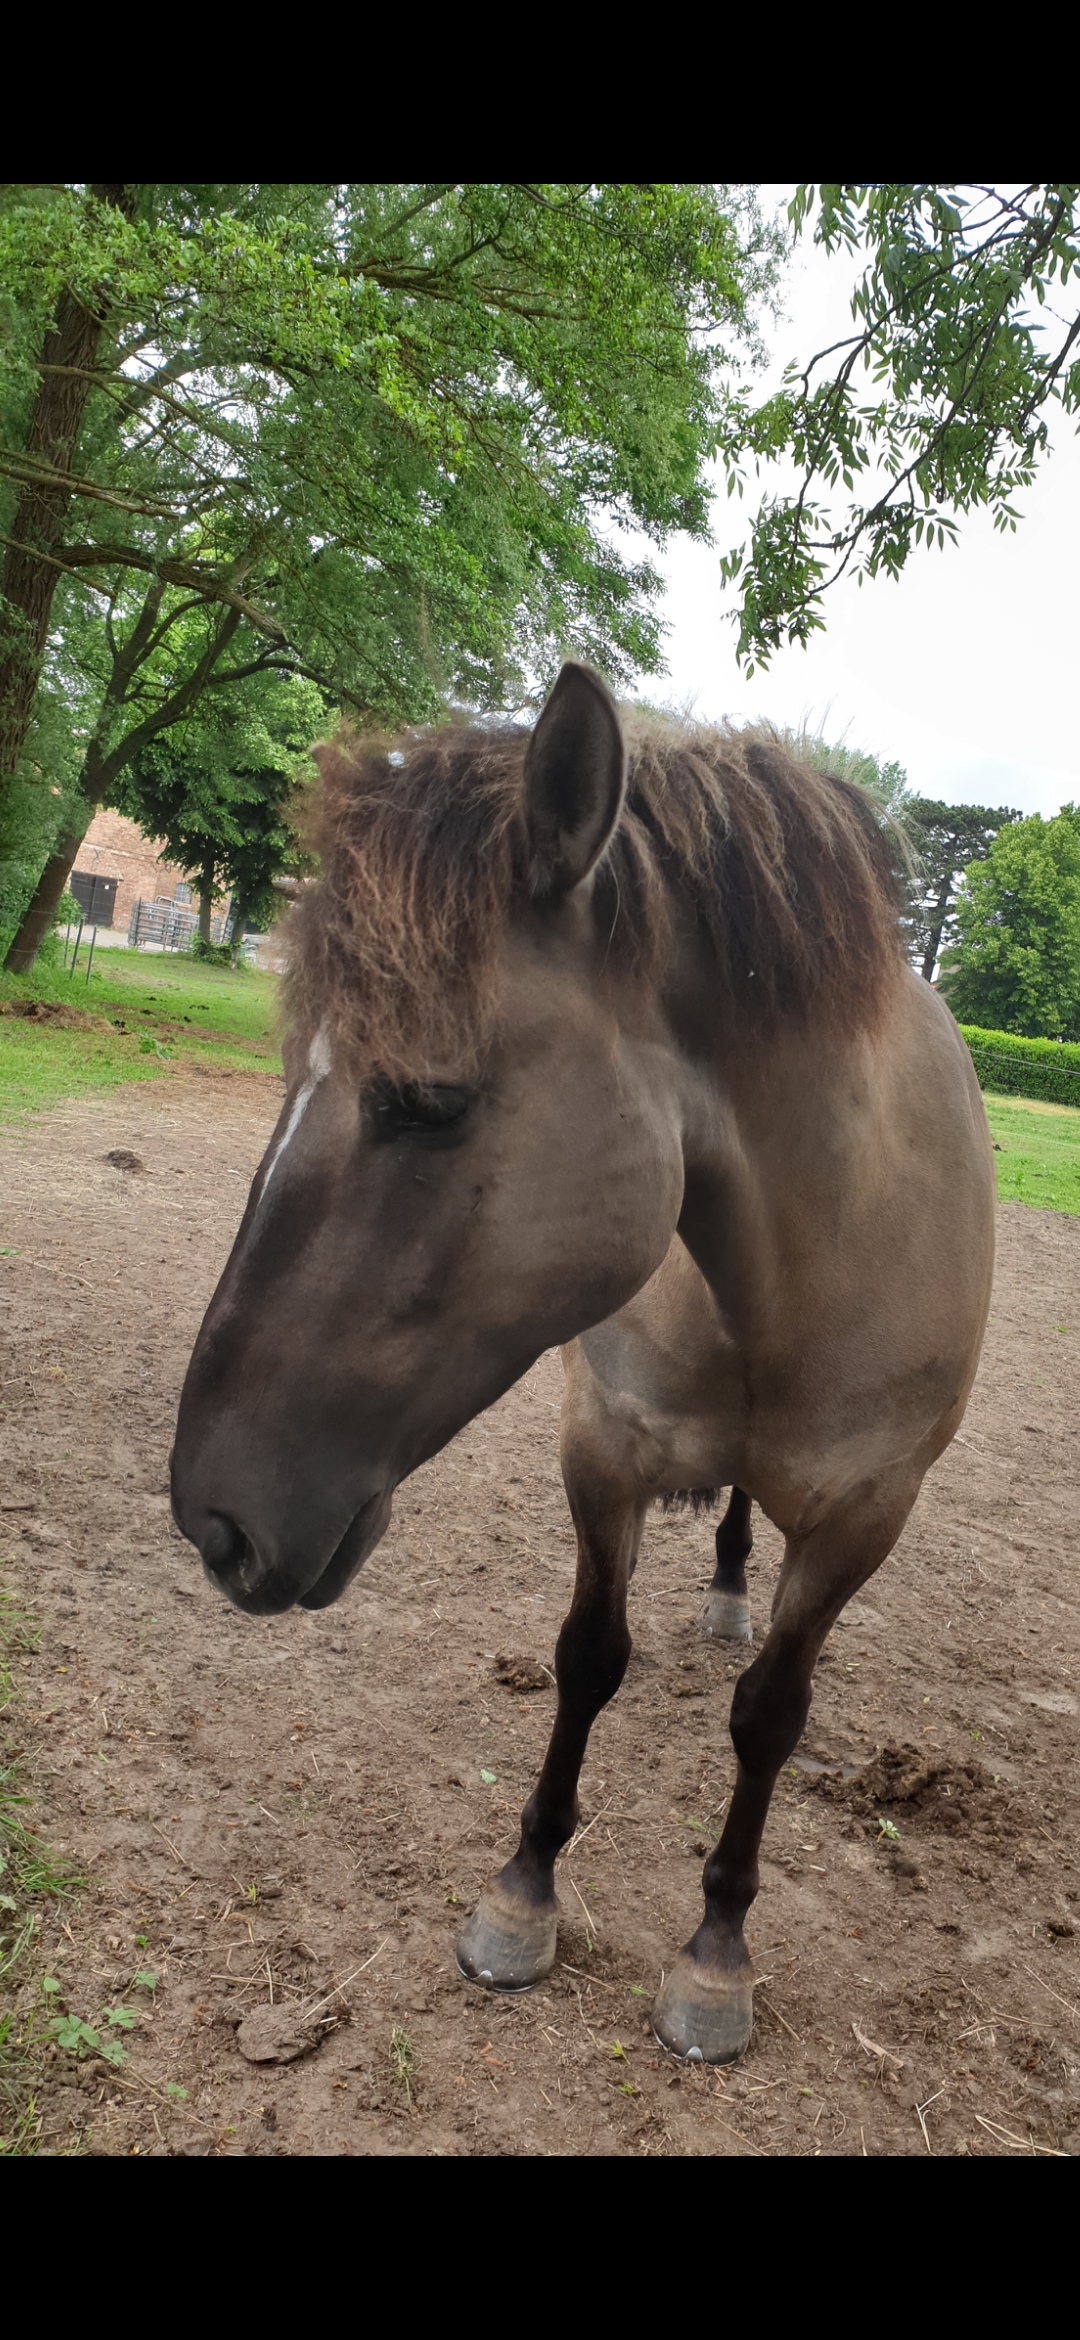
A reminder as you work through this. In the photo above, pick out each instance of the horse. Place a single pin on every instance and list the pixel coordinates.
(601, 1035)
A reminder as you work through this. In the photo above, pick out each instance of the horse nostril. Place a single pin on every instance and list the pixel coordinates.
(222, 1543)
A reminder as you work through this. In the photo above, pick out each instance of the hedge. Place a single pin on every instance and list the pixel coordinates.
(1010, 1067)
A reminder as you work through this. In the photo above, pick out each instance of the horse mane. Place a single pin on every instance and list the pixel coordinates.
(788, 872)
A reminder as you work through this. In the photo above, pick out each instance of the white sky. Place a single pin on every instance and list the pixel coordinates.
(965, 671)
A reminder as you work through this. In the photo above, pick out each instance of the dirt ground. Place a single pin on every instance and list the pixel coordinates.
(284, 1820)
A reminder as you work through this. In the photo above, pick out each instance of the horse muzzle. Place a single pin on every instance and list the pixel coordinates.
(265, 1584)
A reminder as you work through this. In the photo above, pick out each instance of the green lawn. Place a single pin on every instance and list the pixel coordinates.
(158, 1007)
(1039, 1152)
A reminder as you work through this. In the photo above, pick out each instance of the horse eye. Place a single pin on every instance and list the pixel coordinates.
(435, 1106)
(418, 1105)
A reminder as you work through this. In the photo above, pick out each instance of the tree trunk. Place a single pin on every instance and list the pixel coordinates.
(98, 773)
(239, 914)
(38, 919)
(30, 572)
(206, 900)
(940, 912)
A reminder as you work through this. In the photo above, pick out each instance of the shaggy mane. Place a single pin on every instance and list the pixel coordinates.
(424, 855)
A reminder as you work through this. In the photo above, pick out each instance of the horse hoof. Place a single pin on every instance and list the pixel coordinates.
(704, 2015)
(726, 1617)
(507, 1945)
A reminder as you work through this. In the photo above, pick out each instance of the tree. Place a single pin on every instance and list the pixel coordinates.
(224, 792)
(369, 434)
(36, 801)
(266, 847)
(946, 838)
(43, 414)
(1015, 964)
(966, 325)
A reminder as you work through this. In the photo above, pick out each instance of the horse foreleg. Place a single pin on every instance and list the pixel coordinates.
(509, 1941)
(726, 1614)
(705, 2008)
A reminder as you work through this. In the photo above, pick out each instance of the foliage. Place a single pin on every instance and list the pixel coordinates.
(223, 790)
(965, 331)
(394, 363)
(946, 837)
(1011, 1067)
(35, 800)
(1015, 963)
(76, 2037)
(373, 434)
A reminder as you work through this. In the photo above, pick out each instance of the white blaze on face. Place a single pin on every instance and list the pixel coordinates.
(318, 1067)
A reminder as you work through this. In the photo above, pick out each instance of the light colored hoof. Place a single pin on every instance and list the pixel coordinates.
(726, 1617)
(705, 2015)
(507, 1945)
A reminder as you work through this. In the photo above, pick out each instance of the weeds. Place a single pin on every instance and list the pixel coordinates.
(78, 2038)
(403, 2061)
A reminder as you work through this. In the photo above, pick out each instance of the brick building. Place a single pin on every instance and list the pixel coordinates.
(115, 848)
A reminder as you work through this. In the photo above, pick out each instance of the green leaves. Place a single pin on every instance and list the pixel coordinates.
(78, 2038)
(953, 329)
(75, 2036)
(225, 790)
(945, 838)
(1015, 963)
(368, 437)
(450, 385)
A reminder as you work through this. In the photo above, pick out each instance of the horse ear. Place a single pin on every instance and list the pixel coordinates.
(575, 777)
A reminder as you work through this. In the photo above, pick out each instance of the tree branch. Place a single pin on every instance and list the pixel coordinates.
(30, 473)
(174, 572)
(171, 709)
(35, 553)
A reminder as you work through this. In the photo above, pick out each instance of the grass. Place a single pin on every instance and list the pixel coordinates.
(160, 1008)
(1039, 1157)
(28, 1875)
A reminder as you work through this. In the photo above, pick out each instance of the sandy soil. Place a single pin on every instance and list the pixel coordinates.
(283, 1821)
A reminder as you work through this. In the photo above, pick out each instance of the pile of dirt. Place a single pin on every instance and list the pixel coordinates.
(942, 1794)
(52, 1011)
(522, 1673)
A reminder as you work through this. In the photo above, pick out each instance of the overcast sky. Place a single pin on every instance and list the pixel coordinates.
(965, 672)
